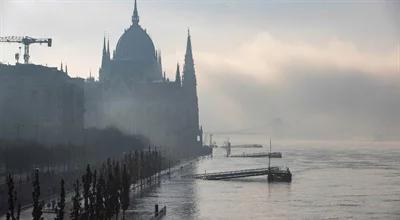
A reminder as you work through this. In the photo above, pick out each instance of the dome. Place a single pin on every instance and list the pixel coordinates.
(135, 57)
(135, 45)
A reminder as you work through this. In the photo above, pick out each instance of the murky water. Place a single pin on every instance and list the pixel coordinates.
(329, 182)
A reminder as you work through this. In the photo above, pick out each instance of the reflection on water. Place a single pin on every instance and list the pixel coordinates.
(342, 182)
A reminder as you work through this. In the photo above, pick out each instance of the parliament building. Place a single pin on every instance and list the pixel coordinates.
(134, 95)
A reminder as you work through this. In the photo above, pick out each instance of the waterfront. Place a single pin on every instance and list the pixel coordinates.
(329, 182)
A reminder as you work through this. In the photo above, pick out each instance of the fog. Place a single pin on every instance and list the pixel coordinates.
(330, 90)
(295, 70)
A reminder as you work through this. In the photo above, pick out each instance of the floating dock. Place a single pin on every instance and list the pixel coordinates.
(273, 155)
(244, 146)
(275, 172)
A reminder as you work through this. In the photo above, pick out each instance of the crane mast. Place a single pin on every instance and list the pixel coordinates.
(26, 41)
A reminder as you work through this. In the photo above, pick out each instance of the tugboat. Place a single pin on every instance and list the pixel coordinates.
(277, 174)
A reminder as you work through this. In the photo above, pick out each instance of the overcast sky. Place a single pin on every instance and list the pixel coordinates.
(294, 69)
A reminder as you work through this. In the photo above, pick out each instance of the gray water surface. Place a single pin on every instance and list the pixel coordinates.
(341, 182)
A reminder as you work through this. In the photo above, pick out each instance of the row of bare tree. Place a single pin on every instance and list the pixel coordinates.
(100, 193)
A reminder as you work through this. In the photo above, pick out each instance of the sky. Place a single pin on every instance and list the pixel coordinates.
(303, 69)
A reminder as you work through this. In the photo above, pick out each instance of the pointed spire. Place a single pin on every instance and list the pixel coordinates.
(178, 75)
(189, 74)
(164, 77)
(108, 49)
(66, 68)
(105, 59)
(104, 45)
(135, 17)
(61, 67)
(189, 46)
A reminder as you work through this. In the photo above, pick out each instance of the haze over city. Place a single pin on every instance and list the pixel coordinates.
(333, 67)
(214, 109)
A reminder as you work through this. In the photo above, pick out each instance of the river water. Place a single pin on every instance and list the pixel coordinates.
(330, 181)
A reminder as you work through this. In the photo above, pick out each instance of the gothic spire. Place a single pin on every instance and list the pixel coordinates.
(189, 54)
(108, 49)
(189, 75)
(104, 46)
(178, 75)
(135, 17)
(105, 59)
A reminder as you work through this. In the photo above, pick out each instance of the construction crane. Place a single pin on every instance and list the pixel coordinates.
(26, 41)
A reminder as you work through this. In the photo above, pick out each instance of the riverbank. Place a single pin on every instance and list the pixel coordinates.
(140, 189)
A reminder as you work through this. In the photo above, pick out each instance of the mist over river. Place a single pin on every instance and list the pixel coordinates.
(331, 180)
(338, 180)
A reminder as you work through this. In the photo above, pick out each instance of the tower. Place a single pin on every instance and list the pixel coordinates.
(189, 74)
(105, 60)
(189, 85)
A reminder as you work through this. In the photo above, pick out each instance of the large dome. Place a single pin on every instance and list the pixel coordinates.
(135, 57)
(135, 45)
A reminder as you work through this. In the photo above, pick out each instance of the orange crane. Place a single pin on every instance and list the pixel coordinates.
(26, 41)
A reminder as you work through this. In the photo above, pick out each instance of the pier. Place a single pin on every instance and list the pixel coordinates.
(272, 155)
(273, 171)
(244, 146)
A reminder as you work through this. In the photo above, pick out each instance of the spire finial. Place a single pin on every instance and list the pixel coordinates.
(135, 17)
(189, 45)
(66, 68)
(61, 67)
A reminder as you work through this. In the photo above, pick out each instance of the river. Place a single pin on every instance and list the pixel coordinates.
(330, 181)
(338, 180)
